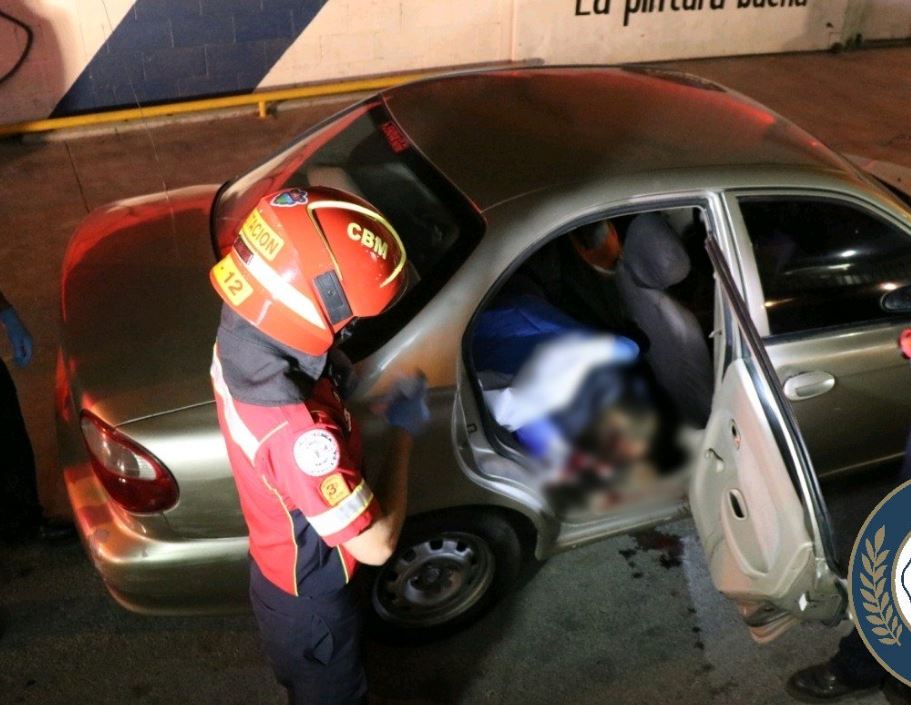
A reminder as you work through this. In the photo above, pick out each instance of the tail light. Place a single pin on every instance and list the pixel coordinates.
(134, 478)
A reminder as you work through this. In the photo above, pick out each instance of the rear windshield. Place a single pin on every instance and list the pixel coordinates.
(364, 152)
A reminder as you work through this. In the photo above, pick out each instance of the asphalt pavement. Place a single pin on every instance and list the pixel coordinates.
(631, 620)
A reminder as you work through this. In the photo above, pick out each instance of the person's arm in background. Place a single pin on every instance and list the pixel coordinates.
(19, 338)
(406, 411)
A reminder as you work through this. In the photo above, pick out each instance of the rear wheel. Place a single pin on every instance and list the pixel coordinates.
(447, 570)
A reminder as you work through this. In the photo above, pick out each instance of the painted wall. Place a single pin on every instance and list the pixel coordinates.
(635, 28)
(89, 55)
(882, 19)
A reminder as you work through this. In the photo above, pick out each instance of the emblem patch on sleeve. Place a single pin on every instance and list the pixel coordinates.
(334, 489)
(316, 452)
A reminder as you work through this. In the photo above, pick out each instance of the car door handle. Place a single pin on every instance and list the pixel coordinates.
(807, 385)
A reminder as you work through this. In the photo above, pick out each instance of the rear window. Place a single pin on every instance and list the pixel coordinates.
(364, 152)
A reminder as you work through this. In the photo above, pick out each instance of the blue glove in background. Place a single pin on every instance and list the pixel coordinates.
(406, 405)
(19, 337)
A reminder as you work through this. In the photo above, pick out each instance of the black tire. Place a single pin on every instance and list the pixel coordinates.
(479, 551)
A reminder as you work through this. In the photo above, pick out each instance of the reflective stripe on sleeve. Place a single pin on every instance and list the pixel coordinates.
(339, 517)
(240, 433)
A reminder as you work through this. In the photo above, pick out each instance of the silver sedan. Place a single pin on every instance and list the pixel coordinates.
(799, 265)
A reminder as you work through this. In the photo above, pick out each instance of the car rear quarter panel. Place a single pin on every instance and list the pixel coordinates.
(146, 573)
(138, 314)
(190, 445)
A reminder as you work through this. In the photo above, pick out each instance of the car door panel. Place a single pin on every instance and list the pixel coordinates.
(746, 508)
(869, 395)
(753, 494)
(861, 418)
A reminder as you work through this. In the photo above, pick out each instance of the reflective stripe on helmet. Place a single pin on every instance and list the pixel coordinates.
(373, 215)
(340, 516)
(283, 292)
(240, 433)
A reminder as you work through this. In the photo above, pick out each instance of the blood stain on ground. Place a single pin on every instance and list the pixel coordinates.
(669, 546)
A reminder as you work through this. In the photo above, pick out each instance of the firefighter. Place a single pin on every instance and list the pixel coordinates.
(20, 512)
(305, 265)
(21, 515)
(598, 244)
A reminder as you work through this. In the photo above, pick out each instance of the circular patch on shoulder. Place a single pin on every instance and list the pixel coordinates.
(316, 452)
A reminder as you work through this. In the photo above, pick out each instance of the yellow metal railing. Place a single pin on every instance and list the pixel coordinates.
(261, 100)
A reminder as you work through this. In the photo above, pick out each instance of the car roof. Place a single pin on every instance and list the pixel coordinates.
(502, 134)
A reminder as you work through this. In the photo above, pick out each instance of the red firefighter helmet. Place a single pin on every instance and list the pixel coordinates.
(599, 245)
(308, 261)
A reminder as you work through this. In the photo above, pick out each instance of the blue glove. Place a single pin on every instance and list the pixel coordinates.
(625, 350)
(406, 405)
(19, 337)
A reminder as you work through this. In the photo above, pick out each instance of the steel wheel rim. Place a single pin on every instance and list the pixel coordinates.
(434, 580)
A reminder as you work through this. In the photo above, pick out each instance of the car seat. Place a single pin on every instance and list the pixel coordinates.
(654, 260)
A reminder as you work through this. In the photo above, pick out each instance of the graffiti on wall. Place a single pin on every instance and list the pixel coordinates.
(637, 7)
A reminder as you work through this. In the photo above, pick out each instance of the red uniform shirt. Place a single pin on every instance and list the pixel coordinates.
(298, 473)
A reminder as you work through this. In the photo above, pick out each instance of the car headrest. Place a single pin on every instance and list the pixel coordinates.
(653, 253)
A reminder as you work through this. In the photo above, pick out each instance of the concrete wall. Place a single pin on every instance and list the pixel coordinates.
(882, 19)
(95, 54)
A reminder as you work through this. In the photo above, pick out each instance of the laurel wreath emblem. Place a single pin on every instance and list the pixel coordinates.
(877, 600)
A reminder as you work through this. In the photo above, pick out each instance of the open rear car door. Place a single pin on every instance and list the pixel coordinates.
(754, 495)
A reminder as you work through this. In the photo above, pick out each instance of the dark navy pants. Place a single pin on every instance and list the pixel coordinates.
(313, 643)
(854, 664)
(20, 512)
